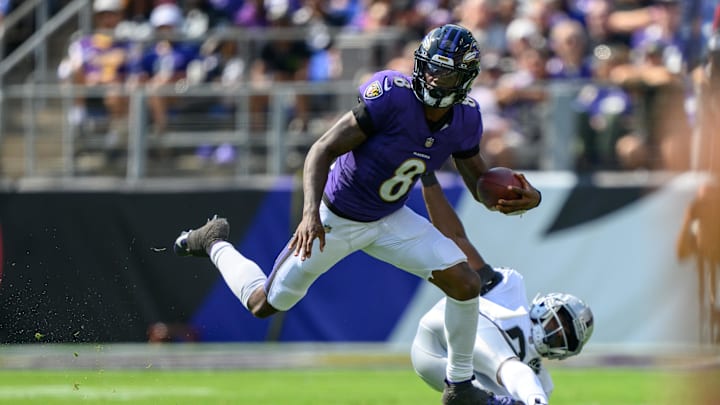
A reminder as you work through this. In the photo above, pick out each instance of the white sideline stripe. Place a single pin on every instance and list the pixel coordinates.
(124, 393)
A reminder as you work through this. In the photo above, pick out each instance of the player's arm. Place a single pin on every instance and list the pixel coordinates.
(472, 167)
(443, 216)
(521, 382)
(342, 137)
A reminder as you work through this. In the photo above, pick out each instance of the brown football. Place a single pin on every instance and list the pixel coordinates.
(493, 185)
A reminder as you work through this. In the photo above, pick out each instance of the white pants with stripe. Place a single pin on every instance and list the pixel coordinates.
(404, 239)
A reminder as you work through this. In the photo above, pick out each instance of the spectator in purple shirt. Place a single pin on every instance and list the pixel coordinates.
(165, 62)
(604, 113)
(4, 8)
(356, 180)
(99, 60)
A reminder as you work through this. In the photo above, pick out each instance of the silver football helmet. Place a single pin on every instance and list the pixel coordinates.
(561, 325)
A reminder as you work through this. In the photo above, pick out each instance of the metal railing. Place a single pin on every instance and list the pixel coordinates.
(364, 47)
(49, 144)
(37, 43)
(52, 146)
(45, 126)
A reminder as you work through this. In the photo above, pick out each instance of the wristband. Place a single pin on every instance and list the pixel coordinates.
(428, 179)
(495, 278)
(486, 268)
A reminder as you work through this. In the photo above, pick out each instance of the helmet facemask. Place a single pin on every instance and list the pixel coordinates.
(562, 324)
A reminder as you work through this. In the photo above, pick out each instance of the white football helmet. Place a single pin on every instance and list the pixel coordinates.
(562, 324)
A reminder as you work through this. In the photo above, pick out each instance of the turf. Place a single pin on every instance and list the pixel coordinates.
(296, 387)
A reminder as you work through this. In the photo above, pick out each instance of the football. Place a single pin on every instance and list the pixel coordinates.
(493, 186)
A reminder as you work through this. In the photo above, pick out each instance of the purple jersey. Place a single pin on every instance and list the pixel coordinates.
(169, 57)
(374, 179)
(103, 60)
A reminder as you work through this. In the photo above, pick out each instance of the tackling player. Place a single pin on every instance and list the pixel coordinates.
(511, 337)
(356, 180)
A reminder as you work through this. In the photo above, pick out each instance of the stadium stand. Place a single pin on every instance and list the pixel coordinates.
(215, 126)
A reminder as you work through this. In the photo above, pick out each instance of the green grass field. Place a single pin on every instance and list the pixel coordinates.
(312, 387)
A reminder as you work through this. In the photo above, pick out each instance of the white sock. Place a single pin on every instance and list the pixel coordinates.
(521, 382)
(461, 319)
(241, 274)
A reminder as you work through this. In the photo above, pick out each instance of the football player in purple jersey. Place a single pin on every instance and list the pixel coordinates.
(356, 180)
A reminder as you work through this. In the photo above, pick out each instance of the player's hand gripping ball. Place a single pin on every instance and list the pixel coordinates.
(493, 186)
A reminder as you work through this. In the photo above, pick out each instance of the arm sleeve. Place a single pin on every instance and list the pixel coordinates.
(363, 118)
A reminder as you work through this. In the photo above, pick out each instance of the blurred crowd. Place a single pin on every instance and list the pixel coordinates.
(634, 65)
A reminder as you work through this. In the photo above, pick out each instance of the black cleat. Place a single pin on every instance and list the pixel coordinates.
(465, 393)
(197, 242)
